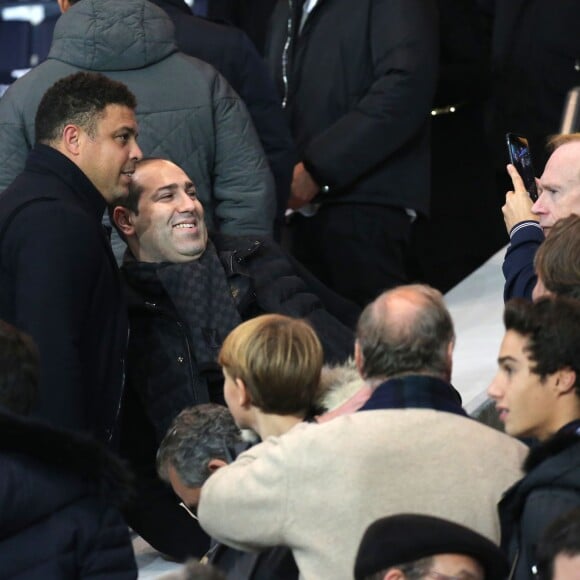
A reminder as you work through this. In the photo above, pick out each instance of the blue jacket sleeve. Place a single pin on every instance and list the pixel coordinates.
(518, 265)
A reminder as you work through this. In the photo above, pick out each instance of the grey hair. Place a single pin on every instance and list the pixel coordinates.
(395, 343)
(198, 434)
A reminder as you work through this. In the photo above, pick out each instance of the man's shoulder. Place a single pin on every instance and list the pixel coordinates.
(392, 426)
(28, 195)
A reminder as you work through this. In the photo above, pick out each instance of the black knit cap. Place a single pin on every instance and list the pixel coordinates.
(406, 538)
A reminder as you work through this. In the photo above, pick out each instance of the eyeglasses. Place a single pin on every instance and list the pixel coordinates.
(186, 508)
(439, 576)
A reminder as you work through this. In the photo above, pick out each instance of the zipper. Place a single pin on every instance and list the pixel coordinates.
(286, 53)
(153, 307)
(112, 429)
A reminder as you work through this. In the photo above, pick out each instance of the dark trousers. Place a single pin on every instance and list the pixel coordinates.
(357, 250)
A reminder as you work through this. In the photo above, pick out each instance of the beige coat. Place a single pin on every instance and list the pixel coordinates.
(318, 487)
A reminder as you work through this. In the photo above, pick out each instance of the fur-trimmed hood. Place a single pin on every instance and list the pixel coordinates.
(43, 469)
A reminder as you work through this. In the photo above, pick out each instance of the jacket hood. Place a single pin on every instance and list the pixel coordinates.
(111, 35)
(43, 469)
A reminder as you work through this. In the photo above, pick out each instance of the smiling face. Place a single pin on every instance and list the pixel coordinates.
(525, 403)
(169, 224)
(559, 186)
(108, 157)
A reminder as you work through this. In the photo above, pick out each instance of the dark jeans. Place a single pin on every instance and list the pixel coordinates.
(356, 250)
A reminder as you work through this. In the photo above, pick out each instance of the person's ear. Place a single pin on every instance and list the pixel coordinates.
(565, 381)
(215, 464)
(123, 219)
(450, 348)
(359, 359)
(71, 139)
(244, 397)
(64, 5)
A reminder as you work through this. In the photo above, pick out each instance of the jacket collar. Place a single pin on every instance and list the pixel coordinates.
(565, 438)
(415, 392)
(45, 159)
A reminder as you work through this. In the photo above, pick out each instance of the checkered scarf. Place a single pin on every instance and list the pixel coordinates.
(200, 293)
(415, 392)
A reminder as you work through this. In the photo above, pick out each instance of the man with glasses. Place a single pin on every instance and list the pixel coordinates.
(201, 440)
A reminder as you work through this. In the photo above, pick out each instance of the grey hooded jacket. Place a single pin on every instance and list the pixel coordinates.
(187, 112)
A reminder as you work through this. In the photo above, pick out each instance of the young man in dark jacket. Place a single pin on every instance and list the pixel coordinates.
(187, 289)
(537, 394)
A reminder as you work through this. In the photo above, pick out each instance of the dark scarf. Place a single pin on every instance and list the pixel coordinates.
(201, 296)
(415, 392)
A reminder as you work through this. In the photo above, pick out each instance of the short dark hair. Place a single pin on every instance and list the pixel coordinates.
(557, 260)
(552, 327)
(391, 347)
(197, 435)
(18, 370)
(79, 99)
(131, 200)
(562, 536)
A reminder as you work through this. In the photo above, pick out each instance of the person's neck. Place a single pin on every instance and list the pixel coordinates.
(271, 425)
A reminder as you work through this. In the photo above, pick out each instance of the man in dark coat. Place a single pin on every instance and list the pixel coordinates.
(59, 492)
(59, 281)
(536, 61)
(230, 51)
(537, 394)
(187, 290)
(357, 80)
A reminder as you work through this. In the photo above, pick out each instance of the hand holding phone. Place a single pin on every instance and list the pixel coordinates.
(521, 159)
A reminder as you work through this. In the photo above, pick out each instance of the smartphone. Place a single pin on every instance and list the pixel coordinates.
(521, 159)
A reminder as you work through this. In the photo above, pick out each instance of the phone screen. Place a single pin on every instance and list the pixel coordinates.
(521, 159)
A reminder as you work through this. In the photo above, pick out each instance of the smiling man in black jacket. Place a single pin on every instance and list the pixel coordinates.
(187, 289)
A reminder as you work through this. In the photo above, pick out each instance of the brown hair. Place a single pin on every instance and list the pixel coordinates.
(555, 141)
(557, 260)
(279, 359)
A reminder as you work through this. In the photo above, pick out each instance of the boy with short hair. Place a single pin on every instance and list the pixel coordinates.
(271, 367)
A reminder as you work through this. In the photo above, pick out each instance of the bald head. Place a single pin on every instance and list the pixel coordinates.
(407, 330)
